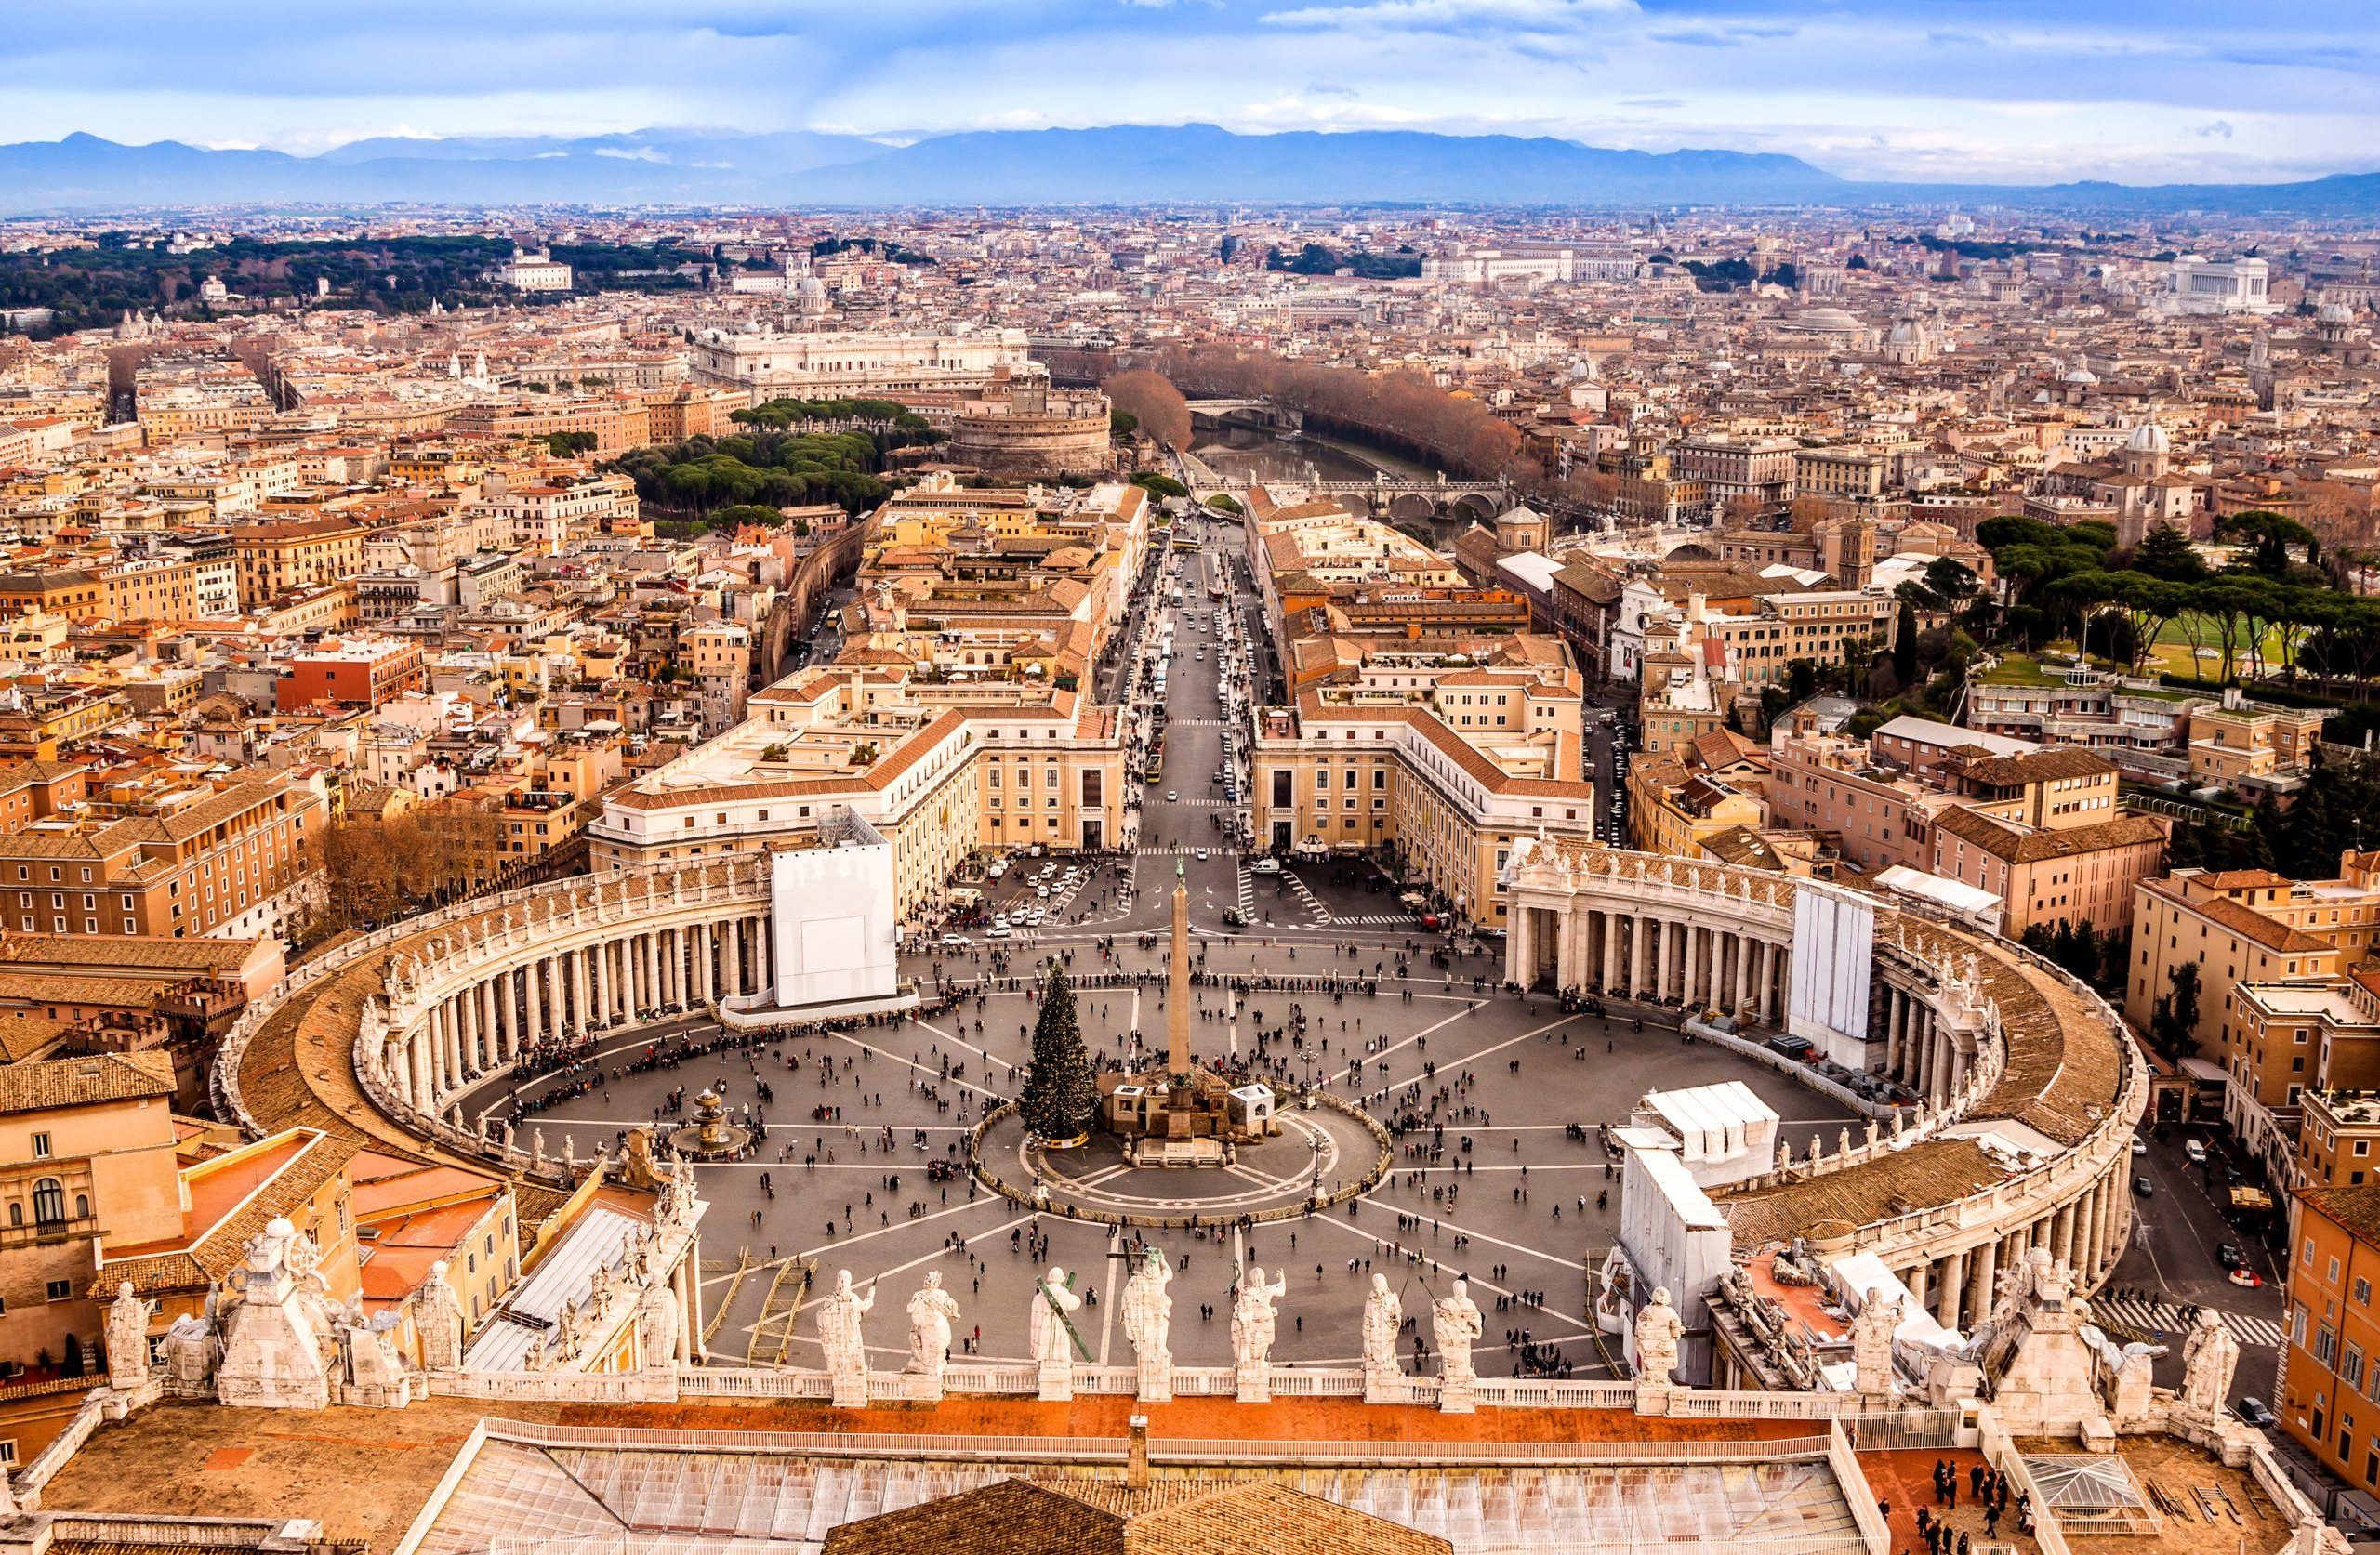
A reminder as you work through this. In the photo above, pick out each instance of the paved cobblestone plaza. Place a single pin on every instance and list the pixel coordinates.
(1509, 1199)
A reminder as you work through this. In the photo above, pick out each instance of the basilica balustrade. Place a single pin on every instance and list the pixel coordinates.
(2002, 1091)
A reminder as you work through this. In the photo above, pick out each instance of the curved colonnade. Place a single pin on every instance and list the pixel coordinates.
(379, 1038)
(2028, 1088)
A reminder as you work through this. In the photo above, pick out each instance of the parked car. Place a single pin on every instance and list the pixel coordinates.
(2255, 1412)
(1266, 867)
(2142, 1187)
(2139, 1146)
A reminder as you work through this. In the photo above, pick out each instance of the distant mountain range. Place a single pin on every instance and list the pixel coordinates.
(1124, 165)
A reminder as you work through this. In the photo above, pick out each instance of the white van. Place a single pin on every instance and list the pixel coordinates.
(2195, 1150)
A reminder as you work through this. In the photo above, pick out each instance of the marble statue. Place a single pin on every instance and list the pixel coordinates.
(191, 1353)
(1872, 1347)
(1658, 1330)
(438, 1321)
(277, 1341)
(1455, 1325)
(657, 1327)
(1047, 1326)
(1148, 1317)
(933, 1312)
(127, 1339)
(1252, 1324)
(636, 1170)
(2209, 1357)
(374, 1374)
(1050, 1333)
(839, 1336)
(1383, 1319)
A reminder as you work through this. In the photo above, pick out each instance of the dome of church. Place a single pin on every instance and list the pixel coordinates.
(2148, 438)
(2082, 375)
(1827, 320)
(2336, 313)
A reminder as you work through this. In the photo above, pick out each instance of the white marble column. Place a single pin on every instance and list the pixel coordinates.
(1949, 1288)
(1767, 979)
(507, 1015)
(533, 1002)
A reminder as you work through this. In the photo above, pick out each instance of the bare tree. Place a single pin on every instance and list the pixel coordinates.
(1164, 413)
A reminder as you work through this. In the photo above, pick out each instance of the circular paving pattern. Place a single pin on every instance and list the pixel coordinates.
(1324, 1154)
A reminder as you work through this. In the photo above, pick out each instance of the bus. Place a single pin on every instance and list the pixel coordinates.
(1186, 543)
(1157, 687)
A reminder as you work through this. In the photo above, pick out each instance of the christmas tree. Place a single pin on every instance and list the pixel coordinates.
(1059, 1096)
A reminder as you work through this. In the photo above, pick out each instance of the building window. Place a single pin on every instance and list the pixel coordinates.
(41, 1147)
(59, 1290)
(49, 1203)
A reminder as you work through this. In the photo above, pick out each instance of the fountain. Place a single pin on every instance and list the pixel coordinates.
(710, 1137)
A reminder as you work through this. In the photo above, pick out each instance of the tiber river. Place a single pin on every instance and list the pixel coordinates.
(1248, 456)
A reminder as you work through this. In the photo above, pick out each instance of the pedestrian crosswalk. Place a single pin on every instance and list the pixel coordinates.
(1378, 919)
(2153, 1320)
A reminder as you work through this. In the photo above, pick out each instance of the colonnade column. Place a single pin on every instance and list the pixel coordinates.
(1984, 1277)
(1637, 966)
(1768, 978)
(1952, 1286)
(533, 1002)
(507, 1017)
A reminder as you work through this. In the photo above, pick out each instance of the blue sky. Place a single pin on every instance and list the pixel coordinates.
(2011, 91)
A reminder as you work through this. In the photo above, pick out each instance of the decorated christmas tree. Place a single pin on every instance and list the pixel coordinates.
(1059, 1096)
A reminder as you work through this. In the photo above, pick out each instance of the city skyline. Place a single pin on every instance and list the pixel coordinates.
(2011, 93)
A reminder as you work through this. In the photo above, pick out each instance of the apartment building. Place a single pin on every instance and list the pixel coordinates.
(1439, 768)
(276, 557)
(616, 423)
(2247, 926)
(198, 862)
(2331, 1341)
(354, 672)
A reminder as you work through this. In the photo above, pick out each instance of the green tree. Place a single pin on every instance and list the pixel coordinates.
(2173, 1024)
(2269, 536)
(2165, 552)
(1059, 1095)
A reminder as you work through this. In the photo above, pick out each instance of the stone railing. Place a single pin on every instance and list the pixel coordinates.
(101, 1404)
(651, 1385)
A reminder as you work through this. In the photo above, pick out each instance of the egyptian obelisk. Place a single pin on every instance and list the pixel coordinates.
(1177, 984)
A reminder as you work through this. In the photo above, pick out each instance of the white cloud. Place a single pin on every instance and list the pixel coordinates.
(639, 153)
(1468, 16)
